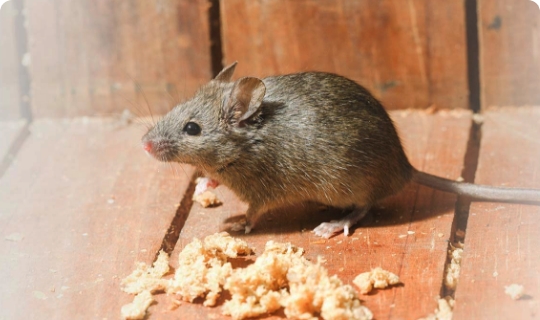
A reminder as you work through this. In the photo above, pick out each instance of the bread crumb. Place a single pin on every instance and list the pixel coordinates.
(313, 292)
(207, 199)
(376, 278)
(223, 242)
(444, 310)
(146, 278)
(204, 196)
(258, 288)
(279, 278)
(282, 277)
(515, 291)
(203, 267)
(137, 308)
(453, 268)
(478, 118)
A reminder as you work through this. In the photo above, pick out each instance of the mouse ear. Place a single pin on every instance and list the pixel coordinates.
(227, 72)
(244, 101)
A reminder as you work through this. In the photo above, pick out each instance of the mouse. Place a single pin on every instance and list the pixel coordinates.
(310, 136)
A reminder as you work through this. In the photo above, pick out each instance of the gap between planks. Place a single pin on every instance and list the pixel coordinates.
(179, 220)
(19, 133)
(463, 204)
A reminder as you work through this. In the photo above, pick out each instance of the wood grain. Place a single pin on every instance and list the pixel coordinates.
(10, 92)
(435, 143)
(502, 244)
(509, 35)
(81, 203)
(409, 54)
(102, 57)
(10, 132)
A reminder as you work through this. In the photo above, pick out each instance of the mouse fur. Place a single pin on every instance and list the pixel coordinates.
(310, 136)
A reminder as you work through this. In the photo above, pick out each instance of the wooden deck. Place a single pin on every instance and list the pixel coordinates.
(80, 203)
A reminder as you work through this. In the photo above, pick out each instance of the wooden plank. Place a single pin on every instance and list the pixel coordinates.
(79, 205)
(410, 55)
(10, 132)
(436, 144)
(502, 243)
(103, 57)
(10, 92)
(509, 38)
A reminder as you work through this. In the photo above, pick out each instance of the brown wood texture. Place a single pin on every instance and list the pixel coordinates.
(81, 203)
(10, 93)
(502, 244)
(102, 57)
(509, 35)
(436, 144)
(409, 54)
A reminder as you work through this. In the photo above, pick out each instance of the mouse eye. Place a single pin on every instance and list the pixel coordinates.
(192, 129)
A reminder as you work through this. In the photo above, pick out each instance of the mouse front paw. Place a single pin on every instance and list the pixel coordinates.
(203, 184)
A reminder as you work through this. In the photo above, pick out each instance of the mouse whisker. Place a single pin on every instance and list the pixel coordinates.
(138, 88)
(135, 108)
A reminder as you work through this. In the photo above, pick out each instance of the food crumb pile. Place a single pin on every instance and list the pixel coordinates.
(376, 278)
(453, 268)
(444, 311)
(279, 278)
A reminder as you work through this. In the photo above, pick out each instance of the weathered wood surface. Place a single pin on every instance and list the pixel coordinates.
(409, 54)
(502, 244)
(436, 144)
(509, 35)
(10, 131)
(10, 93)
(102, 57)
(78, 206)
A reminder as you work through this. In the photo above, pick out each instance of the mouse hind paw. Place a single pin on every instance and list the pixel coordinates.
(328, 229)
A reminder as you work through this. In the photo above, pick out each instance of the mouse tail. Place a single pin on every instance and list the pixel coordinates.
(478, 192)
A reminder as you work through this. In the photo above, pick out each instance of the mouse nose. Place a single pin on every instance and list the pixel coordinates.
(148, 146)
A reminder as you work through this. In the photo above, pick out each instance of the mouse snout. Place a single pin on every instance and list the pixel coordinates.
(148, 146)
(161, 149)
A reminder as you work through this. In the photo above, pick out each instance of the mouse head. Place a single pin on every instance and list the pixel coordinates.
(210, 129)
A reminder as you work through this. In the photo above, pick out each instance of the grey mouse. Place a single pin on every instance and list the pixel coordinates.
(292, 138)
